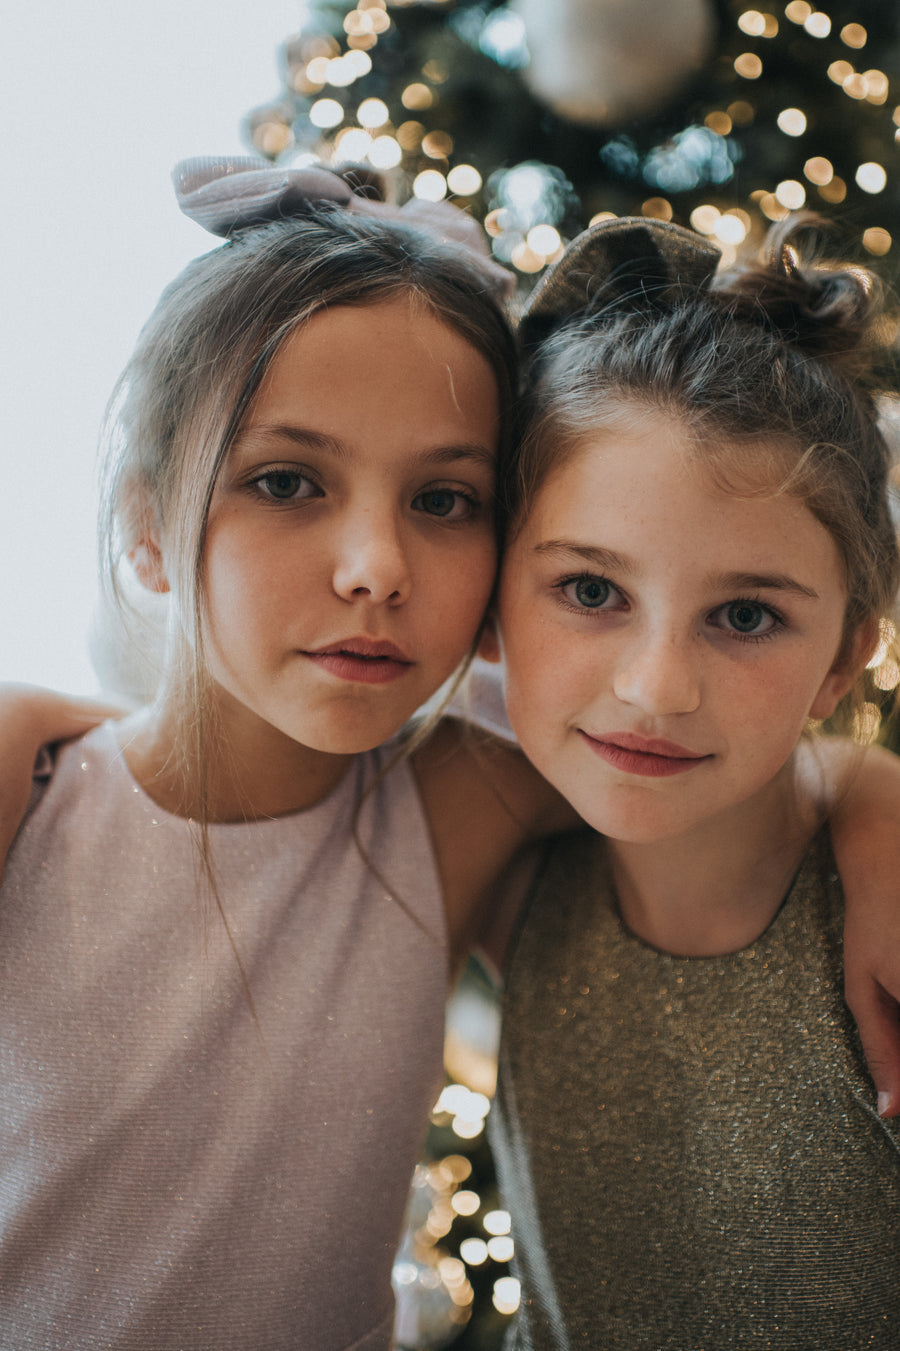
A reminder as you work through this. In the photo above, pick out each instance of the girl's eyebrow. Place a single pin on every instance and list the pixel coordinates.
(764, 581)
(310, 439)
(607, 559)
(588, 553)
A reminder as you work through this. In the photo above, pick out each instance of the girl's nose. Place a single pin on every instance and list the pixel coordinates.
(371, 562)
(658, 674)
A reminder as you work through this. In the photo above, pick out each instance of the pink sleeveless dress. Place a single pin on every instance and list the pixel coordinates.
(176, 1169)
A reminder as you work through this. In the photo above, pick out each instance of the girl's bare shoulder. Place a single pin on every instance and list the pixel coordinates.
(484, 803)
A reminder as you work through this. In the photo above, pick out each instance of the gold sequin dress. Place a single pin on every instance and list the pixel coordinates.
(689, 1146)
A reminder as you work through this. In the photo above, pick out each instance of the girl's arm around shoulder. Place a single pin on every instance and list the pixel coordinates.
(864, 788)
(484, 803)
(30, 718)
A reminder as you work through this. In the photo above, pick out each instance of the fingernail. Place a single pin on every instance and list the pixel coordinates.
(884, 1102)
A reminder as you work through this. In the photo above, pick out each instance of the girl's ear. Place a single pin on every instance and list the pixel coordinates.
(149, 566)
(489, 642)
(146, 555)
(845, 671)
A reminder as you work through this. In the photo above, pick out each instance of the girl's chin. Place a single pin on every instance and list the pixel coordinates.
(642, 823)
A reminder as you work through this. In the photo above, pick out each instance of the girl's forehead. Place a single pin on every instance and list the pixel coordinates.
(384, 381)
(647, 447)
(649, 495)
(363, 343)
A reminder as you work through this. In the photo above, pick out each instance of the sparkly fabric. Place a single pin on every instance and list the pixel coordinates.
(172, 1173)
(689, 1146)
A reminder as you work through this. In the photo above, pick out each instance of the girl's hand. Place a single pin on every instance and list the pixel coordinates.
(31, 718)
(865, 831)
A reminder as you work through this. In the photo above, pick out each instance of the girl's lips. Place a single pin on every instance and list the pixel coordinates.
(651, 757)
(363, 660)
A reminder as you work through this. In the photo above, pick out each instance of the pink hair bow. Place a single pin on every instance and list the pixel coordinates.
(228, 193)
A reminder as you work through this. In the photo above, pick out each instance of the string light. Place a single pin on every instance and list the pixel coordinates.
(273, 138)
(854, 35)
(866, 723)
(430, 186)
(757, 25)
(544, 240)
(885, 677)
(326, 113)
(731, 228)
(839, 71)
(437, 144)
(771, 207)
(791, 194)
(718, 122)
(372, 113)
(748, 66)
(792, 121)
(359, 62)
(385, 152)
(358, 22)
(466, 1202)
(498, 221)
(417, 97)
(507, 1294)
(819, 170)
(752, 23)
(464, 180)
(704, 218)
(834, 191)
(818, 25)
(474, 1251)
(317, 70)
(855, 86)
(525, 259)
(871, 177)
(877, 82)
(657, 208)
(409, 135)
(887, 645)
(340, 72)
(353, 144)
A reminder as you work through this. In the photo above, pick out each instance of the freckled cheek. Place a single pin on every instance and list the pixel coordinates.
(540, 697)
(764, 718)
(460, 590)
(252, 568)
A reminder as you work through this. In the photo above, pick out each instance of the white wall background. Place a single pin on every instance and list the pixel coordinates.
(98, 99)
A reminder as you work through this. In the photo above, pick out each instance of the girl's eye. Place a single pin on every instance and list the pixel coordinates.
(447, 503)
(286, 485)
(747, 619)
(589, 593)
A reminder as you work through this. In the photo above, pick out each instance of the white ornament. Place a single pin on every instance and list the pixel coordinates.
(603, 62)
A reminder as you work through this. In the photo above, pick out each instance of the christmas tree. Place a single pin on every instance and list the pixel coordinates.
(538, 118)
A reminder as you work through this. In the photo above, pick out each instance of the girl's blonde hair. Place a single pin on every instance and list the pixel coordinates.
(773, 370)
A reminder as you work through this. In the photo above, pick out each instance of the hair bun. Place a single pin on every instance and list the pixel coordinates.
(828, 310)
